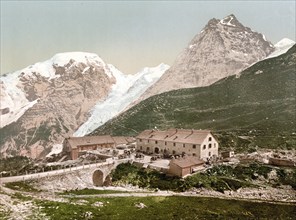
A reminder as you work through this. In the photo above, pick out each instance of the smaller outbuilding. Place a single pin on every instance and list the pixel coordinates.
(185, 165)
(227, 154)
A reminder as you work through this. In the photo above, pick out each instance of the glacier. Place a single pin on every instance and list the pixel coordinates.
(126, 90)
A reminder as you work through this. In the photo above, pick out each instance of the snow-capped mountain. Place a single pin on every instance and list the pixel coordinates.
(47, 101)
(222, 48)
(281, 47)
(127, 89)
(17, 95)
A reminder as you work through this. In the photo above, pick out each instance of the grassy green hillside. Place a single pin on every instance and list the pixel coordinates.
(259, 105)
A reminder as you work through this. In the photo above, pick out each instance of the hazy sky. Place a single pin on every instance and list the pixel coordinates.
(128, 34)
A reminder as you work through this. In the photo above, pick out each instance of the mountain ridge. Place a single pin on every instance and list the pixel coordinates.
(259, 104)
(222, 48)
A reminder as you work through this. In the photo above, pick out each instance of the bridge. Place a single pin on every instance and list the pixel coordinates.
(92, 174)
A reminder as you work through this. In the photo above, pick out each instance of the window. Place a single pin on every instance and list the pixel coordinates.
(174, 152)
(147, 149)
(156, 142)
(174, 144)
(194, 154)
(193, 146)
(210, 138)
(214, 144)
(210, 145)
(141, 148)
(148, 141)
(204, 147)
(183, 145)
(140, 140)
(209, 154)
(165, 143)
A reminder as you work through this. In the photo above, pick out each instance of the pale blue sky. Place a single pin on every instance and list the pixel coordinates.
(128, 34)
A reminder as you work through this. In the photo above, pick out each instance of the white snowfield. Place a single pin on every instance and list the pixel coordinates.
(281, 47)
(13, 98)
(127, 89)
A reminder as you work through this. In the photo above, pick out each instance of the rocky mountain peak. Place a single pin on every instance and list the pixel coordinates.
(222, 48)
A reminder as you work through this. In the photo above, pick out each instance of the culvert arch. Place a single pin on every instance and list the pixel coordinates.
(98, 178)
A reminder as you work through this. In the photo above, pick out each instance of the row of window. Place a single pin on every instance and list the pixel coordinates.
(210, 139)
(165, 143)
(210, 146)
(174, 152)
(193, 146)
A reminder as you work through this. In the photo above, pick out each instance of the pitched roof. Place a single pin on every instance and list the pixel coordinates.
(188, 161)
(123, 140)
(176, 135)
(90, 140)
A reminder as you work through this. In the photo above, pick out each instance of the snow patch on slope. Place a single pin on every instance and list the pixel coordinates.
(227, 21)
(127, 89)
(281, 47)
(56, 149)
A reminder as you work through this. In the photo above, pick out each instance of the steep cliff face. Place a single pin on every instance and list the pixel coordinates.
(47, 101)
(223, 48)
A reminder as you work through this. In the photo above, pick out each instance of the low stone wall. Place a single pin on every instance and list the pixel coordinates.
(281, 162)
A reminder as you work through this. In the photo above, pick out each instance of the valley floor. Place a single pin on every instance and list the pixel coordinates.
(33, 204)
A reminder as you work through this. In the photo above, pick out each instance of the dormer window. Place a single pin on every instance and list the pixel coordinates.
(210, 145)
(210, 138)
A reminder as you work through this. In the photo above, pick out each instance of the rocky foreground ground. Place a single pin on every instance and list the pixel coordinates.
(18, 205)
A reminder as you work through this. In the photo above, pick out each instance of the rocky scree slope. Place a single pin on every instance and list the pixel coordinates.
(258, 103)
(223, 48)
